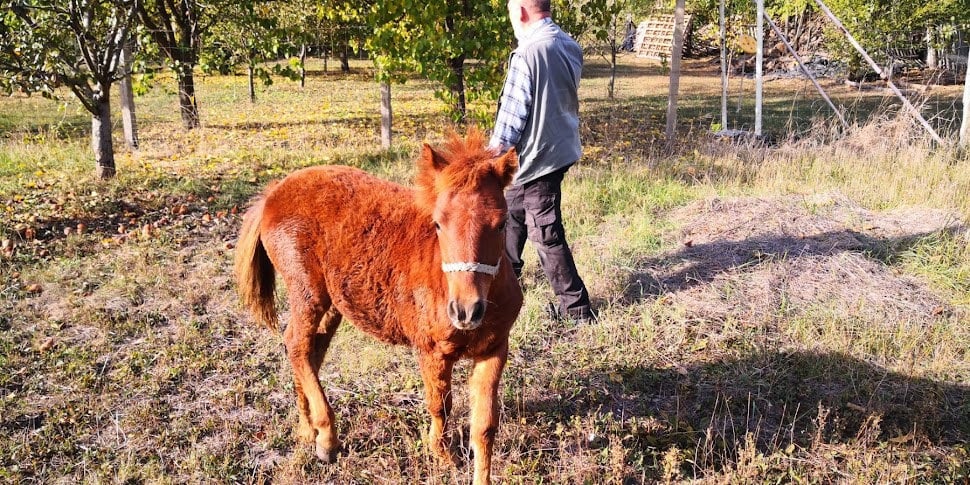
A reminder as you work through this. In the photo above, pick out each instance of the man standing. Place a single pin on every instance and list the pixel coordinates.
(539, 116)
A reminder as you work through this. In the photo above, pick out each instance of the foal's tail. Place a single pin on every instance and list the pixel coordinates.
(255, 276)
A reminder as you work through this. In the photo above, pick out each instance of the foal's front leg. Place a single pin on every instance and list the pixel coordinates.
(436, 372)
(483, 385)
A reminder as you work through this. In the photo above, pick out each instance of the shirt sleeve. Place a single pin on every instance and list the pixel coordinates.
(514, 105)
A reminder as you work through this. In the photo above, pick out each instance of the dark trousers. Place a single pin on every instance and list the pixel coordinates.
(534, 213)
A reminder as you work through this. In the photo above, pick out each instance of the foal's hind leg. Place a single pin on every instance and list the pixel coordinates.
(307, 337)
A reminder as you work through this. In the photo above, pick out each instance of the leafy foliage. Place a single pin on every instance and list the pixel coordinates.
(46, 43)
(250, 33)
(461, 46)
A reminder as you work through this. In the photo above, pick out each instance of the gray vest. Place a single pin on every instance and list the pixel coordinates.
(550, 139)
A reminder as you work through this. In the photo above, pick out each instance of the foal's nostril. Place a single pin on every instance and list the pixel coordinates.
(461, 314)
(454, 311)
(478, 310)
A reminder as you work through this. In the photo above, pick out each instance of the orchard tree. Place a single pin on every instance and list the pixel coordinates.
(76, 44)
(605, 23)
(249, 33)
(302, 22)
(176, 28)
(461, 45)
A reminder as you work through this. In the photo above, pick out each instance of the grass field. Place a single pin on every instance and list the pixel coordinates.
(792, 313)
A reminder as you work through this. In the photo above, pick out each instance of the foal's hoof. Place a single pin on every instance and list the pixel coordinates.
(447, 458)
(326, 455)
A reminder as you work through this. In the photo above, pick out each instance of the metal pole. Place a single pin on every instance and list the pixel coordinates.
(965, 124)
(724, 66)
(801, 64)
(879, 71)
(759, 36)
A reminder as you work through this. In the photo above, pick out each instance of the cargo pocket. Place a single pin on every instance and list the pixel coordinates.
(545, 228)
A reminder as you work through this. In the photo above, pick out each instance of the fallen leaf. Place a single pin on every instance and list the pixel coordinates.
(44, 347)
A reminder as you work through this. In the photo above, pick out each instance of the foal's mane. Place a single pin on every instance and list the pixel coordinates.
(460, 165)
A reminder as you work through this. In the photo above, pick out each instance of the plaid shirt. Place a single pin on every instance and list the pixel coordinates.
(514, 105)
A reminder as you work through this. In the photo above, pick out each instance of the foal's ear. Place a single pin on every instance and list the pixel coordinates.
(505, 166)
(431, 159)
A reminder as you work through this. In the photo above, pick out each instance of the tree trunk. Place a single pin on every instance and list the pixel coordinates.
(931, 54)
(104, 155)
(965, 124)
(188, 106)
(386, 116)
(345, 60)
(610, 87)
(303, 65)
(127, 99)
(252, 83)
(458, 87)
(677, 50)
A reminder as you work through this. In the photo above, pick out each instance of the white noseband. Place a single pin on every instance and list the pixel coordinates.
(473, 267)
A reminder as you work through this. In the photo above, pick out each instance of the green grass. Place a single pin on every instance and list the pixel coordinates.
(125, 357)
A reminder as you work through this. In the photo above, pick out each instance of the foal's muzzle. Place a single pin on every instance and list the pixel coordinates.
(467, 315)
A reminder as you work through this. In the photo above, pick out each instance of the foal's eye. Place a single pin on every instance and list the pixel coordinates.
(437, 227)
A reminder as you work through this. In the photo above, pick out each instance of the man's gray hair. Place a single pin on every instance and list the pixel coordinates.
(544, 6)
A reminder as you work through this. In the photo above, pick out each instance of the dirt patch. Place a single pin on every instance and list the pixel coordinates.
(759, 258)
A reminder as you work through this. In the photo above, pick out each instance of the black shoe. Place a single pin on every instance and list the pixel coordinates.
(578, 317)
(552, 311)
(583, 317)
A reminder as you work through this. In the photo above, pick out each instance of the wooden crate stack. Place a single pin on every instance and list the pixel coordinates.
(655, 36)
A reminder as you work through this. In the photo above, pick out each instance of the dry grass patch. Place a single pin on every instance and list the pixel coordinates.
(813, 330)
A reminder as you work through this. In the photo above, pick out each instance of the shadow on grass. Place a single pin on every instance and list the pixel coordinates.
(707, 261)
(780, 398)
(68, 129)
